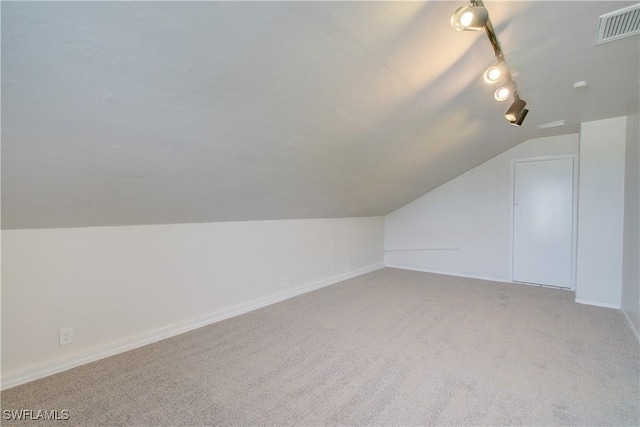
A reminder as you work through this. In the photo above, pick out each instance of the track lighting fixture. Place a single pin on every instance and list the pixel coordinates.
(476, 17)
(469, 18)
(516, 110)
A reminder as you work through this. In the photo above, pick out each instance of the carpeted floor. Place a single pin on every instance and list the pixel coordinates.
(391, 347)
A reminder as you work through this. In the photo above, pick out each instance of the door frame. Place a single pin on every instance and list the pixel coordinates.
(574, 220)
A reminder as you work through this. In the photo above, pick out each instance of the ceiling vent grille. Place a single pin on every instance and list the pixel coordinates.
(621, 23)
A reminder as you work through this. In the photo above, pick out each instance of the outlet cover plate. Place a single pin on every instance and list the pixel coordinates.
(285, 281)
(66, 336)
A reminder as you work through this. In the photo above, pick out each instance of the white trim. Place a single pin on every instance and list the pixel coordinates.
(598, 304)
(448, 273)
(30, 374)
(471, 276)
(631, 325)
(421, 249)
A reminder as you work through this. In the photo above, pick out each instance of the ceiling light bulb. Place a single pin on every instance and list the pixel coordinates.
(494, 73)
(471, 18)
(504, 92)
(511, 117)
(466, 18)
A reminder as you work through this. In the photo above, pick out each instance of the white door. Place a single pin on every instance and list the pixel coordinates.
(543, 222)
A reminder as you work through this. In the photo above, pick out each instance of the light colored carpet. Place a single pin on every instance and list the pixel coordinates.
(391, 347)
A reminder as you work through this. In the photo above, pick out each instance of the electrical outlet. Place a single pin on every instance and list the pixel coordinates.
(285, 281)
(66, 336)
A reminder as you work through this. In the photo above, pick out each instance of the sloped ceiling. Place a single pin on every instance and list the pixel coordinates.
(172, 112)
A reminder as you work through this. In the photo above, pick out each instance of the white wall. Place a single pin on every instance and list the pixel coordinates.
(630, 300)
(463, 227)
(601, 210)
(119, 287)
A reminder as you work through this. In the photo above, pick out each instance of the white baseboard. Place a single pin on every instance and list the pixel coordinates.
(598, 304)
(23, 376)
(471, 276)
(448, 273)
(617, 307)
(631, 325)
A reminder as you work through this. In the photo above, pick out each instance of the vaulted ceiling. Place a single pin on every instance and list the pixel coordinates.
(118, 113)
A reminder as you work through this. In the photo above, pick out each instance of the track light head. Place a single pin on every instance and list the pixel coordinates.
(505, 91)
(520, 119)
(495, 73)
(469, 18)
(516, 113)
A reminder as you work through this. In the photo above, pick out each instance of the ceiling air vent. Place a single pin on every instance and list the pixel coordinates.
(621, 23)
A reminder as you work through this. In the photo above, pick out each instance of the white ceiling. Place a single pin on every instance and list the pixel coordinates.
(173, 112)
